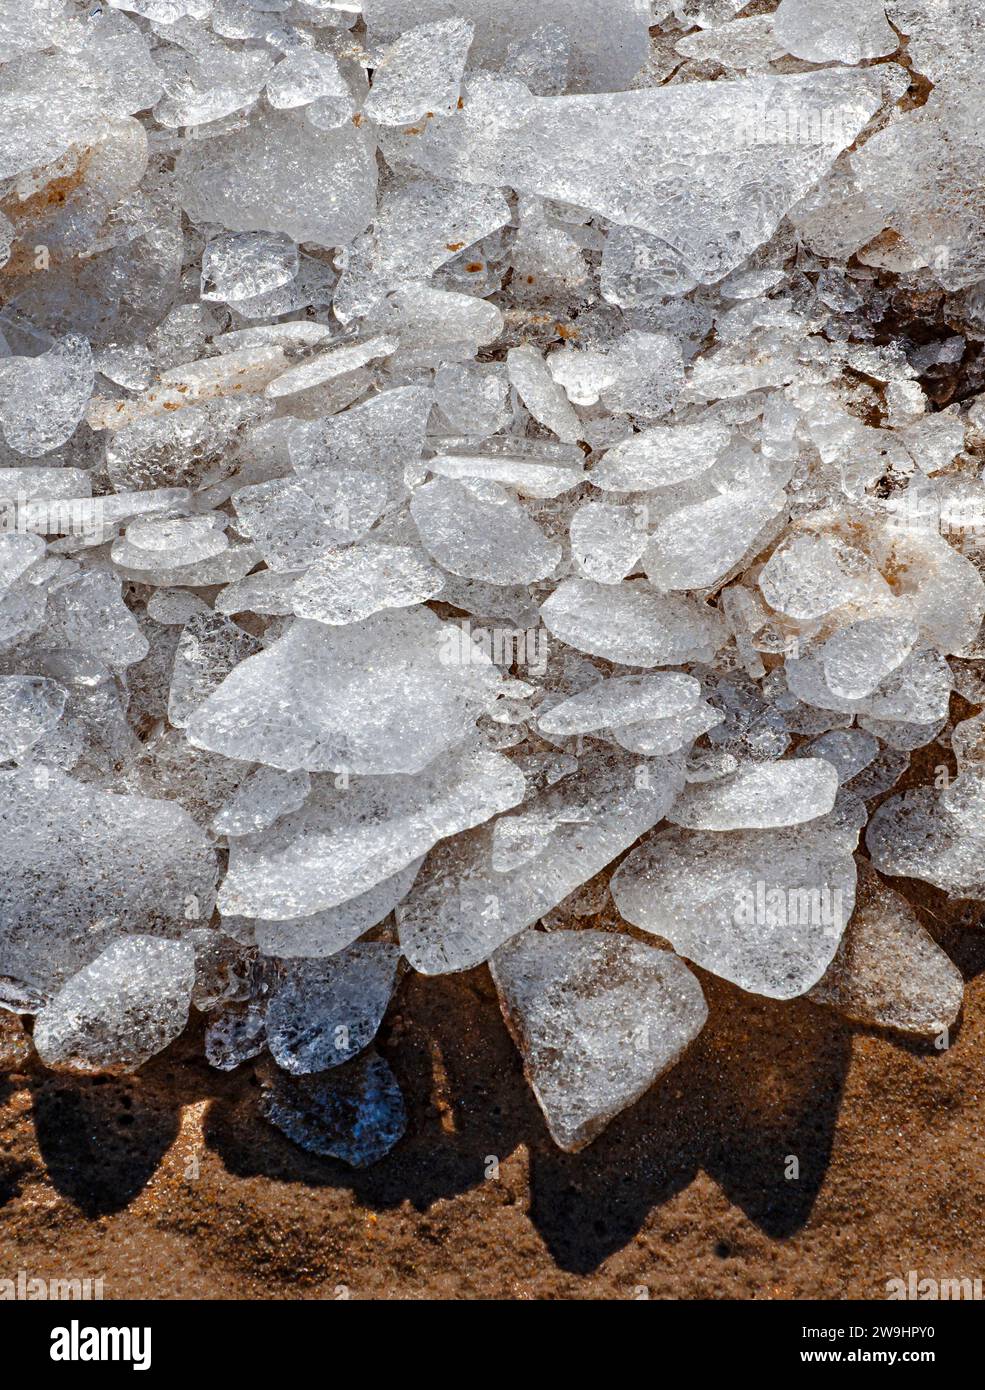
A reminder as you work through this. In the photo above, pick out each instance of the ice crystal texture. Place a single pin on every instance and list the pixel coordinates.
(450, 447)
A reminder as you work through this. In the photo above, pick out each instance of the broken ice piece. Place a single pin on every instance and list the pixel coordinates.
(858, 657)
(267, 794)
(660, 456)
(326, 932)
(656, 738)
(759, 796)
(420, 73)
(597, 1018)
(632, 624)
(369, 697)
(541, 394)
(890, 971)
(42, 398)
(117, 1012)
(354, 1113)
(111, 864)
(345, 586)
(461, 908)
(934, 835)
(608, 47)
(209, 648)
(321, 1013)
(762, 908)
(695, 546)
(808, 575)
(834, 31)
(607, 541)
(279, 174)
(481, 532)
(346, 839)
(696, 157)
(239, 265)
(622, 700)
(235, 1033)
(30, 706)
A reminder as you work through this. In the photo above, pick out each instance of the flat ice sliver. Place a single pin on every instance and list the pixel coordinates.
(710, 178)
(367, 698)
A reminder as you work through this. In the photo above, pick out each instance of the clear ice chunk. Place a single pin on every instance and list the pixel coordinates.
(632, 624)
(597, 1018)
(765, 909)
(118, 1011)
(367, 698)
(346, 840)
(759, 796)
(112, 865)
(322, 1013)
(461, 908)
(345, 586)
(888, 970)
(355, 1113)
(481, 532)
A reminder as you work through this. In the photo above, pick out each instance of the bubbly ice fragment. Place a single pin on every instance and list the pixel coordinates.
(597, 1018)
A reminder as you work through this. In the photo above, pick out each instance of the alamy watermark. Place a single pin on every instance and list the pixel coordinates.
(930, 1289)
(802, 125)
(29, 1288)
(765, 906)
(54, 516)
(463, 645)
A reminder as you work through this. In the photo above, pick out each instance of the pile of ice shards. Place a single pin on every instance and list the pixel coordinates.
(451, 448)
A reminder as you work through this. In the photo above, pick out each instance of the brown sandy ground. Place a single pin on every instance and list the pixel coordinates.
(169, 1185)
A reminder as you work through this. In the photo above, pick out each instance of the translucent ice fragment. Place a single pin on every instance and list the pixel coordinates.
(266, 795)
(209, 648)
(937, 836)
(371, 697)
(888, 970)
(345, 586)
(607, 541)
(239, 265)
(924, 173)
(323, 933)
(541, 394)
(696, 546)
(180, 448)
(346, 840)
(834, 31)
(762, 908)
(712, 179)
(461, 909)
(660, 456)
(607, 48)
(857, 658)
(483, 534)
(597, 1018)
(420, 224)
(639, 373)
(324, 1012)
(622, 700)
(280, 174)
(531, 477)
(632, 624)
(354, 1113)
(420, 73)
(111, 864)
(30, 706)
(115, 1014)
(809, 575)
(42, 398)
(759, 796)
